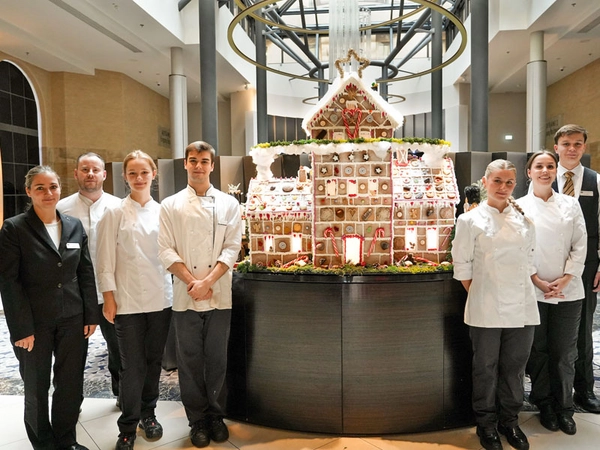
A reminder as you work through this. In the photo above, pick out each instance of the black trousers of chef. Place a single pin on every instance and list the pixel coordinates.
(65, 340)
(202, 339)
(142, 339)
(551, 364)
(499, 359)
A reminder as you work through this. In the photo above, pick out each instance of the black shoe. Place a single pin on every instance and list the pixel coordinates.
(567, 424)
(199, 434)
(489, 439)
(74, 446)
(548, 418)
(125, 441)
(151, 427)
(515, 437)
(218, 430)
(588, 401)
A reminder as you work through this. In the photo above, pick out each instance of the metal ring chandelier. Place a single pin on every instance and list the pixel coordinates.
(250, 11)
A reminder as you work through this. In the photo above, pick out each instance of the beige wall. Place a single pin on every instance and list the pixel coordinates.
(507, 115)
(575, 99)
(241, 103)
(107, 113)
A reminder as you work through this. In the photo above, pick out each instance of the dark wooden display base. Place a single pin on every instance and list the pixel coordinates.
(349, 355)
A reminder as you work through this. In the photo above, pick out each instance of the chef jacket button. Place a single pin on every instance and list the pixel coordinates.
(59, 285)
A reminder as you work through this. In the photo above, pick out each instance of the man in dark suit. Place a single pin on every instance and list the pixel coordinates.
(584, 184)
(49, 297)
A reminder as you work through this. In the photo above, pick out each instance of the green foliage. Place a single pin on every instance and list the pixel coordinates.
(344, 271)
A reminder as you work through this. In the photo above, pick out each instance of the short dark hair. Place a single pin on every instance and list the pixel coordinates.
(200, 146)
(571, 128)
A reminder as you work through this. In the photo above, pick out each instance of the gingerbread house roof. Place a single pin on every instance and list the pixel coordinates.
(338, 87)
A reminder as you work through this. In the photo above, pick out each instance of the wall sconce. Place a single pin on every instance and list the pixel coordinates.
(508, 137)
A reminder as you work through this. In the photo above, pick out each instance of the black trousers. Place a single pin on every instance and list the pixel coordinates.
(64, 340)
(499, 359)
(112, 346)
(142, 340)
(202, 339)
(551, 364)
(584, 368)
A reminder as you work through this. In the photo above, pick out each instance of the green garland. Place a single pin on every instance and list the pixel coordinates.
(346, 270)
(412, 140)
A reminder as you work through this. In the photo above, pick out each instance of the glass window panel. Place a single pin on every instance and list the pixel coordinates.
(20, 149)
(4, 107)
(33, 150)
(4, 83)
(16, 81)
(30, 114)
(6, 145)
(17, 107)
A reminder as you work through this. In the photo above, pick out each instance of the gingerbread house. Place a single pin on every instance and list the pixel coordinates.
(370, 199)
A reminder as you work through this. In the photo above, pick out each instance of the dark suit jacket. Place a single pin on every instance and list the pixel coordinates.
(40, 284)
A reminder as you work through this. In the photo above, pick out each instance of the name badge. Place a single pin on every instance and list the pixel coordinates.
(586, 194)
(73, 245)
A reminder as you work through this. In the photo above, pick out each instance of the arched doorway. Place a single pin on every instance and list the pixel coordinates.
(19, 136)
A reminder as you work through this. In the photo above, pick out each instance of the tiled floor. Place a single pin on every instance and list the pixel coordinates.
(98, 428)
(98, 431)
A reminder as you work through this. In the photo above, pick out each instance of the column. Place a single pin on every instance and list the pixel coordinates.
(479, 75)
(178, 104)
(207, 11)
(436, 77)
(536, 93)
(262, 128)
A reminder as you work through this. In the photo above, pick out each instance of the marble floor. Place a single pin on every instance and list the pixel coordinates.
(97, 428)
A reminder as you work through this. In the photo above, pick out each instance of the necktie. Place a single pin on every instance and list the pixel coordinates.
(568, 188)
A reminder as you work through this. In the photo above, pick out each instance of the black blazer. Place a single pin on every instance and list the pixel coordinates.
(39, 284)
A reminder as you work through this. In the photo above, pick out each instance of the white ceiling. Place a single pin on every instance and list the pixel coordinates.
(118, 35)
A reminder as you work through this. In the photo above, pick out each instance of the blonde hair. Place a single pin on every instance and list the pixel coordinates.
(138, 154)
(503, 164)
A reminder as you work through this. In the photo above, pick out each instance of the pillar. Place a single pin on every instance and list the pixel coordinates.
(536, 93)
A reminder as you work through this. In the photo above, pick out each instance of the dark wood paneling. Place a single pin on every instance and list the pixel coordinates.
(293, 356)
(457, 358)
(392, 357)
(353, 355)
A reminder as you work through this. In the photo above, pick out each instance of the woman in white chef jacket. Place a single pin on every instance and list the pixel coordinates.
(561, 240)
(493, 253)
(138, 296)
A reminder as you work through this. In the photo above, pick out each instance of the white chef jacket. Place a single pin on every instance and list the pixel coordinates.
(89, 213)
(561, 241)
(199, 231)
(496, 251)
(128, 262)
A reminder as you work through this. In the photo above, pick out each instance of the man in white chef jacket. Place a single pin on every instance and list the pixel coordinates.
(88, 205)
(199, 242)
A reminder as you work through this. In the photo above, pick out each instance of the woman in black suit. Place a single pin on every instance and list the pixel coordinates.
(50, 303)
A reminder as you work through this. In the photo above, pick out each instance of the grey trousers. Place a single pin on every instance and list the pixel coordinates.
(499, 359)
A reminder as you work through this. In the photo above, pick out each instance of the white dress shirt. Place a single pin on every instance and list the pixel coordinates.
(496, 251)
(128, 261)
(577, 182)
(89, 213)
(561, 242)
(200, 231)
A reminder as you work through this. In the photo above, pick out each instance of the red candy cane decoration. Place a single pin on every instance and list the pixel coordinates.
(379, 233)
(329, 233)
